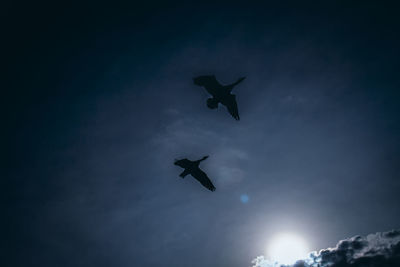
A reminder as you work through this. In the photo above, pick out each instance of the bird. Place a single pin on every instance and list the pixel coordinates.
(220, 93)
(192, 168)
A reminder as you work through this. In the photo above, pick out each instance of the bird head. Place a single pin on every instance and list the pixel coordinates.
(178, 162)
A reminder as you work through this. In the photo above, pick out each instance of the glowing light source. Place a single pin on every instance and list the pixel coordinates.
(287, 248)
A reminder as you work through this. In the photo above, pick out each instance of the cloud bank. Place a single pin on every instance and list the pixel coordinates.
(374, 250)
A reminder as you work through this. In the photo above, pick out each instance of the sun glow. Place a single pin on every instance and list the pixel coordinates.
(287, 248)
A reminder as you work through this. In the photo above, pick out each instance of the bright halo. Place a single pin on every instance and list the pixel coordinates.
(287, 248)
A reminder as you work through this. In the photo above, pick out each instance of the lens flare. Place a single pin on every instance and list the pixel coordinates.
(244, 198)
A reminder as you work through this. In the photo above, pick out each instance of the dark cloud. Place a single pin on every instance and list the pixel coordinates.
(380, 249)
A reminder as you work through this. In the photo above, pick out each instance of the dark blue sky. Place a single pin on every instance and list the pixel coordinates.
(100, 101)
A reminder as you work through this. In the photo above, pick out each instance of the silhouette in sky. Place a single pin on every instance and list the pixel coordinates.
(221, 93)
(192, 167)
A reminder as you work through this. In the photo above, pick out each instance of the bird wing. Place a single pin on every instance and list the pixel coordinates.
(209, 82)
(202, 177)
(231, 104)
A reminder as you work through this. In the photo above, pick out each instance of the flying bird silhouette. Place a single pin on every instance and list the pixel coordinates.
(220, 93)
(192, 168)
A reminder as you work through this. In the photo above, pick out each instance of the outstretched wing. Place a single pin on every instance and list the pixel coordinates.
(231, 105)
(202, 177)
(209, 82)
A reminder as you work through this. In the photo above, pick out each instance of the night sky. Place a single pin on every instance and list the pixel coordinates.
(99, 101)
